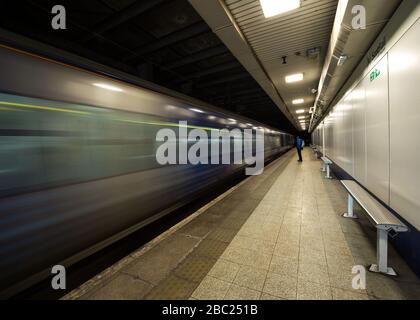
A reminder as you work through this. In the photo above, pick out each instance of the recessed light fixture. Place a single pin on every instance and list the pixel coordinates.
(196, 110)
(298, 101)
(300, 111)
(274, 7)
(294, 78)
(107, 87)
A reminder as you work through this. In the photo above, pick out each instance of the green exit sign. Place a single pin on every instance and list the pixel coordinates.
(374, 74)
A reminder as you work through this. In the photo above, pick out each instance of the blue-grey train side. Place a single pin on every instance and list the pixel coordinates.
(77, 162)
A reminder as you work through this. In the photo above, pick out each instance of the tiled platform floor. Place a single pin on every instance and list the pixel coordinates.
(279, 235)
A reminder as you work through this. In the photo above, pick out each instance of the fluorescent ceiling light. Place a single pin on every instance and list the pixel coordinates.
(196, 110)
(107, 87)
(232, 120)
(298, 101)
(302, 117)
(294, 77)
(300, 111)
(274, 7)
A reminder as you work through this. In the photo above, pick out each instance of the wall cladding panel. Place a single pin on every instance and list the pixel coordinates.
(377, 130)
(404, 80)
(347, 108)
(359, 133)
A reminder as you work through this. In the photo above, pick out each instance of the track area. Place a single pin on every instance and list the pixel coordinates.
(87, 268)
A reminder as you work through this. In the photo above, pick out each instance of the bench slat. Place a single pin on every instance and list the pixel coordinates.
(380, 215)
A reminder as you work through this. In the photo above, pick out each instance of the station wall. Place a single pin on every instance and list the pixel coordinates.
(372, 130)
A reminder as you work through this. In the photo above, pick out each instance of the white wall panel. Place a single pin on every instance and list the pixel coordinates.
(334, 152)
(328, 135)
(323, 136)
(338, 134)
(404, 81)
(377, 131)
(359, 132)
(347, 136)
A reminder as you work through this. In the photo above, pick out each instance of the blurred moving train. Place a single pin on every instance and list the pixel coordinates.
(77, 162)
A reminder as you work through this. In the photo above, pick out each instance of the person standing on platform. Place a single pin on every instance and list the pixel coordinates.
(299, 144)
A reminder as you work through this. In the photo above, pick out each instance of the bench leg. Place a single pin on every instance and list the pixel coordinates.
(382, 254)
(349, 213)
(328, 176)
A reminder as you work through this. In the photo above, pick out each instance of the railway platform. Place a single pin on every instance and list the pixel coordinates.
(279, 235)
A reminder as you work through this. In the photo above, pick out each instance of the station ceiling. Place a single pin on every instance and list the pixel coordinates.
(272, 48)
(301, 37)
(163, 41)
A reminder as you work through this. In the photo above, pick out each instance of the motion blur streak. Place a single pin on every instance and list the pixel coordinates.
(78, 167)
(38, 107)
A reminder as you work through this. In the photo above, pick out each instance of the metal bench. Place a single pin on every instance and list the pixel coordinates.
(380, 217)
(316, 151)
(326, 166)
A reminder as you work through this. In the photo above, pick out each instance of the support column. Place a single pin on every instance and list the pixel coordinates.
(382, 254)
(349, 213)
(382, 250)
(328, 176)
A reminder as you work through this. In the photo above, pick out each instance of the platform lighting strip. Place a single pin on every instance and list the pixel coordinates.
(298, 101)
(275, 7)
(294, 78)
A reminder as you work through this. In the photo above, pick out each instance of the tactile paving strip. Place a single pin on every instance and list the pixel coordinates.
(211, 248)
(195, 267)
(173, 288)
